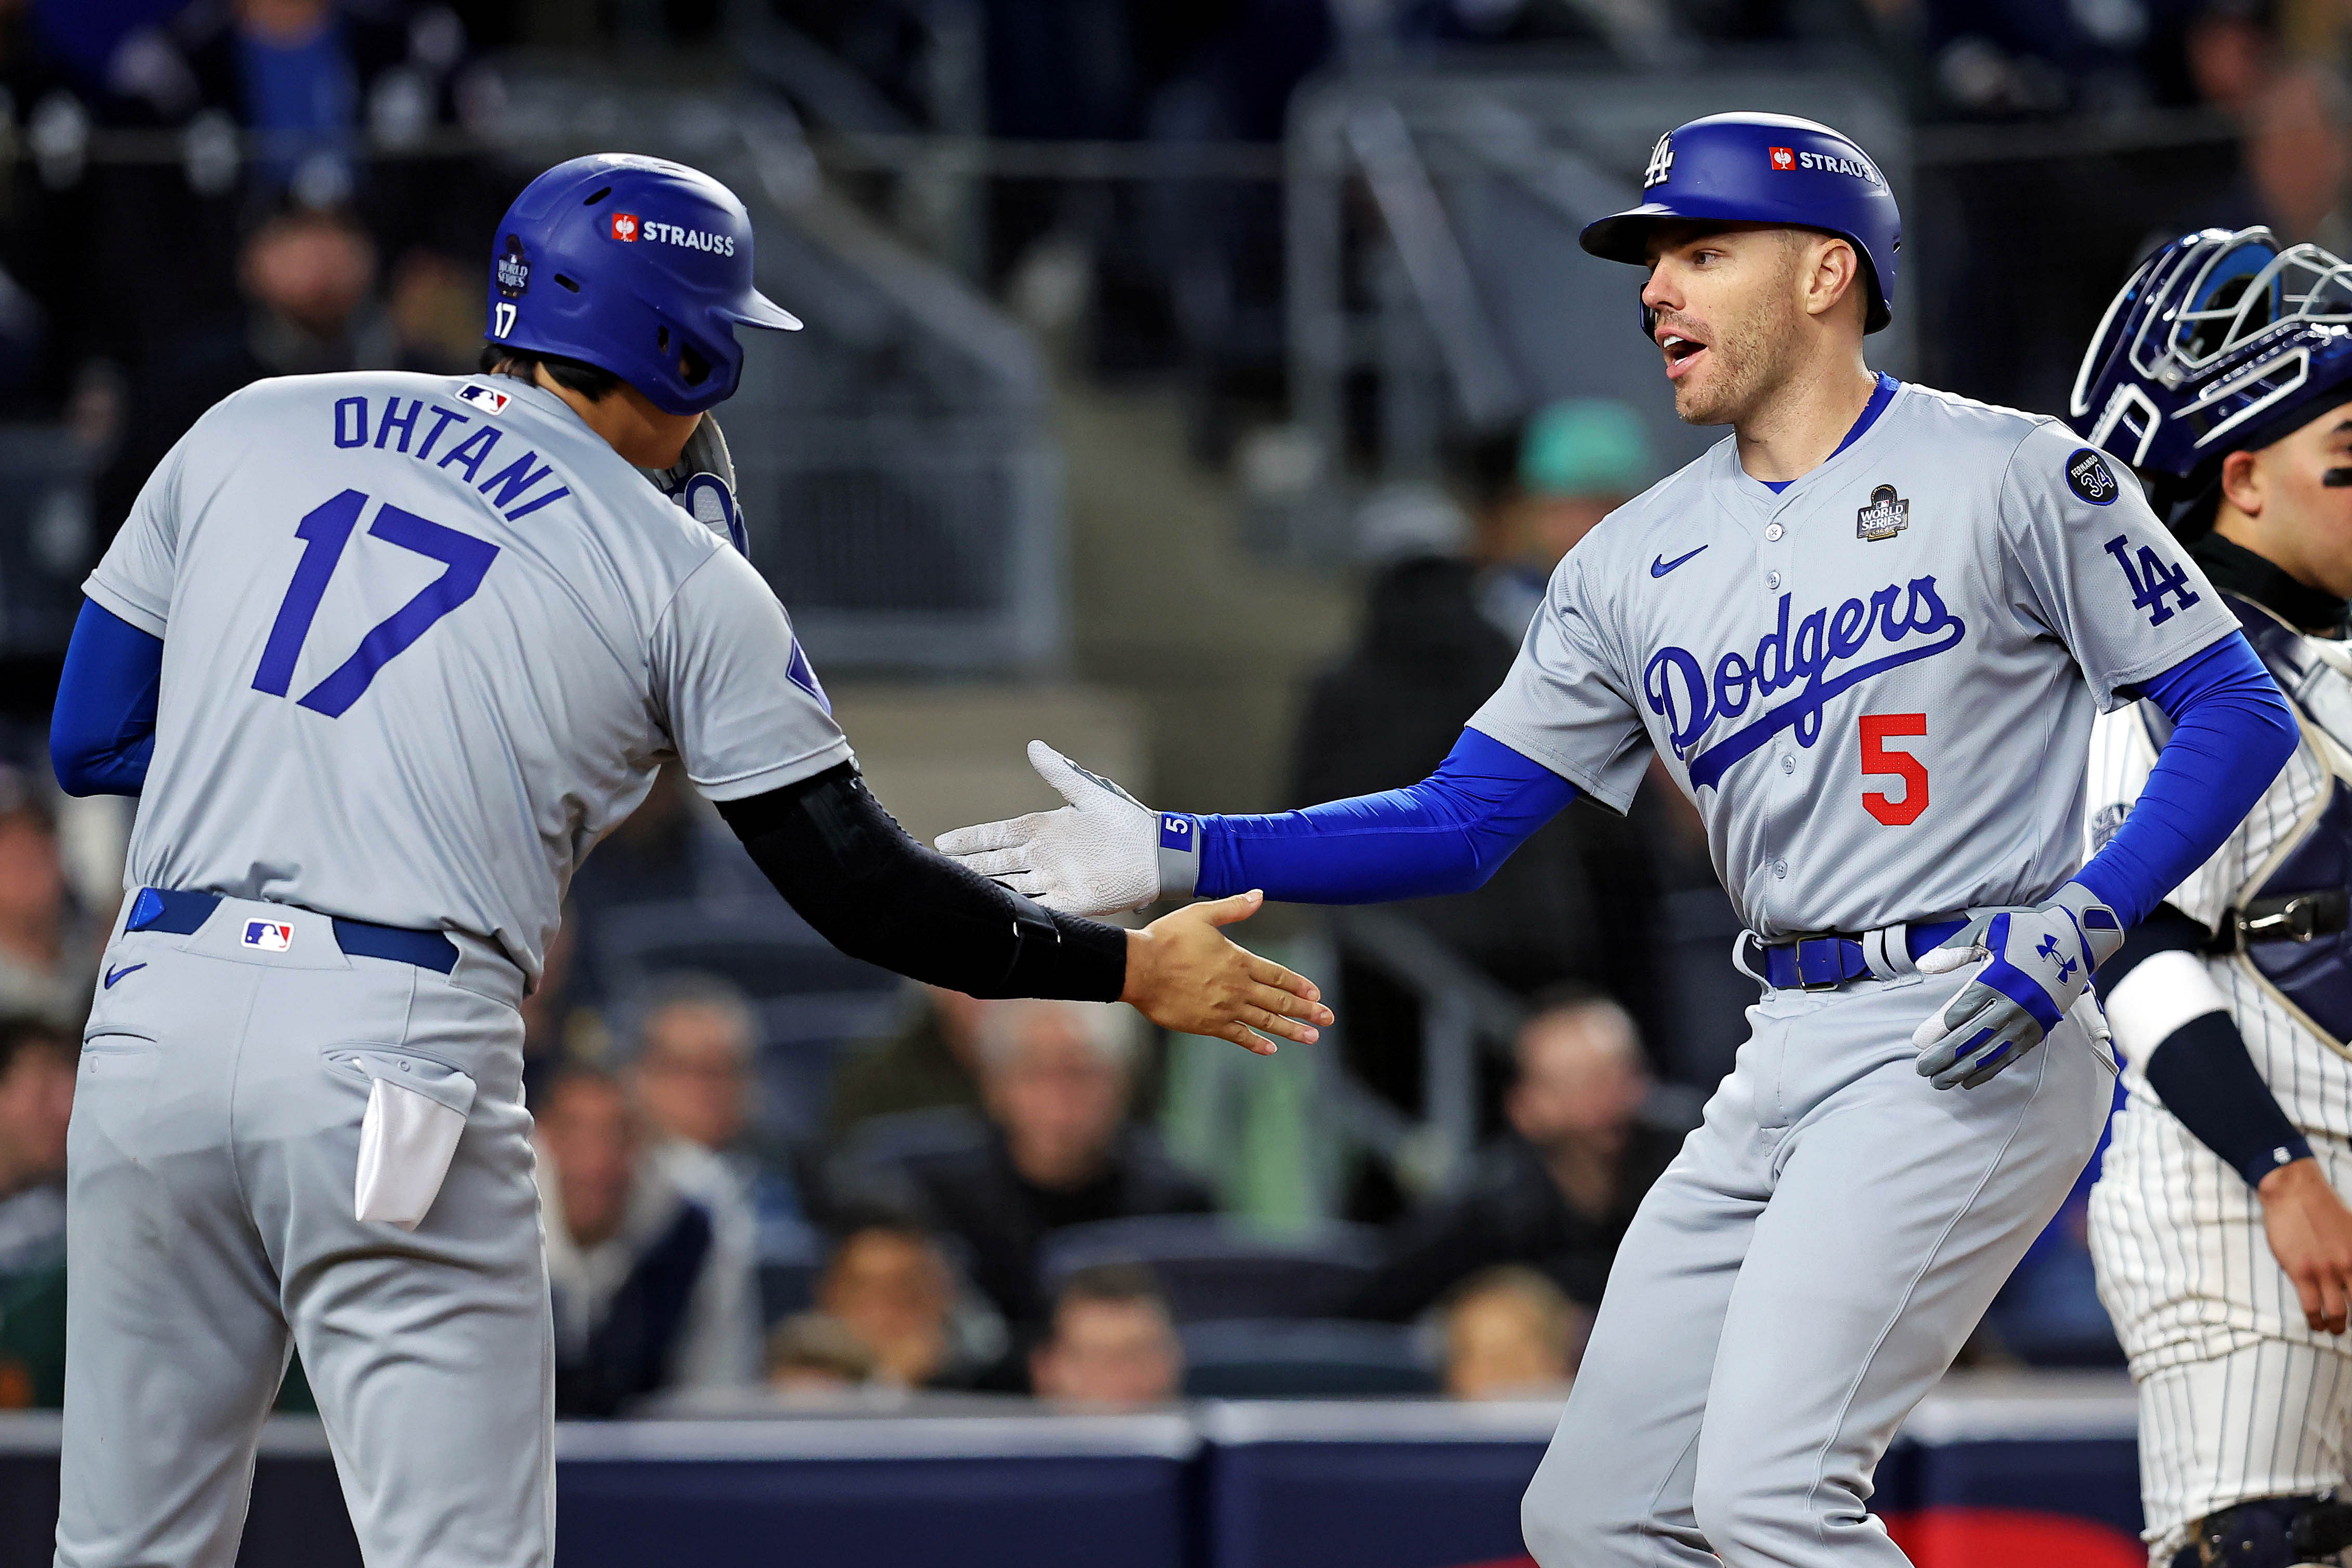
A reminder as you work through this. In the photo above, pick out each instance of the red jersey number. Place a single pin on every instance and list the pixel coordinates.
(1895, 811)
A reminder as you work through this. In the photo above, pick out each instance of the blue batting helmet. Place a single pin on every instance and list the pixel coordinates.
(636, 266)
(1764, 168)
(2220, 343)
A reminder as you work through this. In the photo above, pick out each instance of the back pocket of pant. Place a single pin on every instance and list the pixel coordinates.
(416, 1114)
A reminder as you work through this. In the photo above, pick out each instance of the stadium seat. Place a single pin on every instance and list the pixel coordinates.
(1212, 1268)
(1323, 1359)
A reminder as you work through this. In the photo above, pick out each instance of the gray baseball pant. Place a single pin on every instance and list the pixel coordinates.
(1798, 1279)
(209, 1224)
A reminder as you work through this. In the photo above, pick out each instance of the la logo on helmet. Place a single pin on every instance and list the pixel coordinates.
(624, 227)
(1661, 162)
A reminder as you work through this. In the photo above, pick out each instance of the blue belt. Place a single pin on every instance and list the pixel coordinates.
(183, 914)
(1832, 959)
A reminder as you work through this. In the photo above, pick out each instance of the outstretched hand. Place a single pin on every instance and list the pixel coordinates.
(1184, 975)
(1096, 856)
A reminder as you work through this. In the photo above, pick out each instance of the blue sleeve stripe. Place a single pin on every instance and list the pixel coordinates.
(1444, 835)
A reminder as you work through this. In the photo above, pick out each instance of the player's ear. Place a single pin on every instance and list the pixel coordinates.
(1833, 275)
(2242, 483)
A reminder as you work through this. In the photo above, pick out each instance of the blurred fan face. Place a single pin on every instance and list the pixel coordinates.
(32, 875)
(695, 1075)
(1577, 1081)
(1115, 1354)
(315, 271)
(281, 21)
(1724, 307)
(35, 1104)
(1059, 1099)
(891, 1291)
(1498, 1344)
(591, 1136)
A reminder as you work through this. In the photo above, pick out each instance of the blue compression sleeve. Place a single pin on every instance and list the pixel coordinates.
(102, 730)
(2232, 732)
(1444, 835)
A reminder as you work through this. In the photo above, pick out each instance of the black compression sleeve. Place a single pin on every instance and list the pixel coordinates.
(2202, 1070)
(852, 873)
(2205, 1078)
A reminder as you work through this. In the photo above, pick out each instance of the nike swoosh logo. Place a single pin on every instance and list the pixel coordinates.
(1660, 565)
(114, 974)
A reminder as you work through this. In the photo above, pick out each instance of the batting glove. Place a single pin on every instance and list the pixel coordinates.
(2035, 964)
(1097, 855)
(702, 482)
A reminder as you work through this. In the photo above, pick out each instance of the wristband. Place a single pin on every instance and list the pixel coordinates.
(1180, 855)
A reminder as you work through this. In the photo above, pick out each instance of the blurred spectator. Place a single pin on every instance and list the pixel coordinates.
(1113, 1346)
(1439, 634)
(2229, 49)
(650, 1293)
(1511, 1333)
(816, 1353)
(693, 1071)
(1551, 483)
(1557, 1192)
(37, 1063)
(2009, 58)
(306, 276)
(692, 1067)
(888, 1284)
(2298, 158)
(929, 1064)
(44, 968)
(437, 313)
(1057, 1149)
(311, 76)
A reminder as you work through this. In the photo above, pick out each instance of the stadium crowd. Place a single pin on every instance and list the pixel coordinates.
(977, 1196)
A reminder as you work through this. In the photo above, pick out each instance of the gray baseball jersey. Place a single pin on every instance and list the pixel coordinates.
(1877, 684)
(429, 638)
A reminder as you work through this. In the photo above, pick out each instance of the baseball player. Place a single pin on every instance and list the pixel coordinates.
(1867, 635)
(383, 656)
(2224, 371)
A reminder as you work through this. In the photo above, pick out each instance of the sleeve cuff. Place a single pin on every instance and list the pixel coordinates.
(110, 600)
(1180, 855)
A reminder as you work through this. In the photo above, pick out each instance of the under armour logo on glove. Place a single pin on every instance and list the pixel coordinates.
(2009, 1007)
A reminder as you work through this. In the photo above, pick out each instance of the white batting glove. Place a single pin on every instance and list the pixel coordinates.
(2033, 966)
(703, 483)
(1096, 855)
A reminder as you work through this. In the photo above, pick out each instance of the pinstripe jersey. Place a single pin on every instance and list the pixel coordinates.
(2184, 1264)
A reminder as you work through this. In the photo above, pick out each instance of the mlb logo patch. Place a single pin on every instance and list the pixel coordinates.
(270, 936)
(488, 397)
(1784, 158)
(624, 227)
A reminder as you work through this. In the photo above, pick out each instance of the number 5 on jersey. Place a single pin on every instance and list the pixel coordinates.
(324, 532)
(1877, 730)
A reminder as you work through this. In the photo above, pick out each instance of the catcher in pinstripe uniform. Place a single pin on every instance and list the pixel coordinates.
(2223, 374)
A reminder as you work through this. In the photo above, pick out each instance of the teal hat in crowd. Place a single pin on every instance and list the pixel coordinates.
(1584, 446)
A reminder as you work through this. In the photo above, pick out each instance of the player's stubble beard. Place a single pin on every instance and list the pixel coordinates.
(1751, 349)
